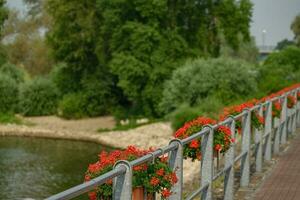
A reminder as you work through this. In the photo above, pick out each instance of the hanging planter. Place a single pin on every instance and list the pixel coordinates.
(139, 192)
(155, 177)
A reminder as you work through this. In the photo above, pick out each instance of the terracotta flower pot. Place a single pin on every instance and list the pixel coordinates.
(138, 194)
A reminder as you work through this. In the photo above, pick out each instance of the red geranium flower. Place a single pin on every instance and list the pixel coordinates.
(154, 181)
(166, 193)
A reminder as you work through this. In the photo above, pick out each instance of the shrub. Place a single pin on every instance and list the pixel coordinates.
(13, 71)
(223, 78)
(97, 93)
(280, 70)
(181, 115)
(275, 77)
(66, 79)
(38, 97)
(95, 98)
(8, 94)
(72, 106)
(288, 56)
(184, 113)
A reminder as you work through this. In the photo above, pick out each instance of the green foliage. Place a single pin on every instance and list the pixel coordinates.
(72, 106)
(247, 51)
(9, 118)
(223, 78)
(181, 115)
(13, 71)
(38, 97)
(3, 13)
(288, 56)
(295, 26)
(280, 70)
(275, 77)
(94, 100)
(98, 98)
(210, 106)
(65, 79)
(8, 94)
(139, 43)
(284, 43)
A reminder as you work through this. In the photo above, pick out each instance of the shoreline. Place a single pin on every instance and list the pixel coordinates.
(25, 131)
(154, 135)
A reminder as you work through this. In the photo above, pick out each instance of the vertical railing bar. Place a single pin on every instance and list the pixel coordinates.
(229, 162)
(176, 163)
(283, 121)
(122, 184)
(277, 130)
(268, 130)
(207, 163)
(245, 162)
(259, 142)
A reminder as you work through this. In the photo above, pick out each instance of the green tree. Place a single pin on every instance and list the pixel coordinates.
(283, 44)
(295, 26)
(3, 17)
(138, 44)
(25, 42)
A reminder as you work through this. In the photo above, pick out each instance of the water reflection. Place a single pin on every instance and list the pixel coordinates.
(37, 168)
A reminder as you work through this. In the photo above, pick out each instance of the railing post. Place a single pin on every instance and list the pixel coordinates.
(176, 163)
(207, 163)
(277, 128)
(268, 132)
(294, 117)
(297, 114)
(122, 184)
(229, 162)
(245, 167)
(283, 120)
(259, 143)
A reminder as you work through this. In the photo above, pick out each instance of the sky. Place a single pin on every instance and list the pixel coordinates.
(273, 16)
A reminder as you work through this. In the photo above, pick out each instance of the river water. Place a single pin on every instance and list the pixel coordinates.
(33, 168)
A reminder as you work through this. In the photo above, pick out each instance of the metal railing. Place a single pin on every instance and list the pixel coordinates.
(266, 143)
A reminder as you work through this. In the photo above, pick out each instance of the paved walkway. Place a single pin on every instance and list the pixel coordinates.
(284, 181)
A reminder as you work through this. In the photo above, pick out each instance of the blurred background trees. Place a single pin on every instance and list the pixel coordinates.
(141, 58)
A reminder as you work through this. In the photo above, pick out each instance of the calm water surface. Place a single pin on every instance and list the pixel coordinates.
(37, 168)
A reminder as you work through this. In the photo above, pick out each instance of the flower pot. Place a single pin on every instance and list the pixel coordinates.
(138, 194)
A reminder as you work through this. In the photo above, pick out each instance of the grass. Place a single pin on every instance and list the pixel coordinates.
(10, 118)
(131, 125)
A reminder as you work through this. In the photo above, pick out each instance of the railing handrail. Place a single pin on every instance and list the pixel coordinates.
(176, 145)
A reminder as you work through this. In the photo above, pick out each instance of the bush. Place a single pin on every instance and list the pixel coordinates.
(288, 56)
(280, 70)
(223, 78)
(66, 79)
(38, 97)
(72, 106)
(8, 94)
(94, 100)
(13, 71)
(208, 107)
(181, 115)
(274, 78)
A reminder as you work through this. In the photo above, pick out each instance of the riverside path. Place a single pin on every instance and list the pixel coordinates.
(284, 181)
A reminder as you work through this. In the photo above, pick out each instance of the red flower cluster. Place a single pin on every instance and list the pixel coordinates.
(193, 149)
(291, 101)
(158, 174)
(185, 132)
(166, 193)
(257, 120)
(222, 137)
